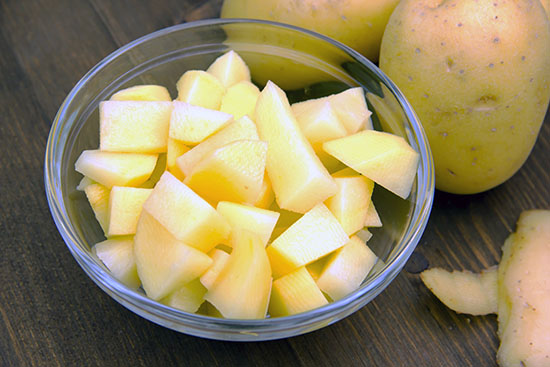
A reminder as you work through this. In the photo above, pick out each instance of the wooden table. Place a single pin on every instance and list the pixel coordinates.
(52, 314)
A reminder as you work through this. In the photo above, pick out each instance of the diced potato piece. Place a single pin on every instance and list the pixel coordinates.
(86, 181)
(125, 204)
(346, 269)
(134, 126)
(98, 197)
(187, 216)
(233, 172)
(294, 293)
(318, 120)
(159, 169)
(298, 178)
(524, 293)
(230, 69)
(187, 298)
(147, 92)
(373, 219)
(116, 169)
(266, 196)
(118, 256)
(164, 264)
(192, 124)
(243, 128)
(244, 217)
(240, 99)
(464, 291)
(176, 149)
(200, 88)
(352, 110)
(385, 158)
(351, 202)
(219, 259)
(314, 235)
(319, 123)
(242, 289)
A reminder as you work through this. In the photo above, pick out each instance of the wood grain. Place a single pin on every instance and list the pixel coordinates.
(51, 313)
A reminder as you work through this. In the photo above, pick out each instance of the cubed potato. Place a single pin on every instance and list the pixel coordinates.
(243, 128)
(187, 216)
(118, 256)
(242, 289)
(294, 293)
(200, 88)
(314, 235)
(385, 158)
(134, 126)
(233, 172)
(116, 169)
(299, 179)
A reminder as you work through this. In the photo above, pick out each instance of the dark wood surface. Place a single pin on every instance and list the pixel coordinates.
(52, 314)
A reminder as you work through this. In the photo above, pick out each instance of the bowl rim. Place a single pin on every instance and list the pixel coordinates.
(158, 312)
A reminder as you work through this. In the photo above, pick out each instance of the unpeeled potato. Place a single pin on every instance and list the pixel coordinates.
(357, 23)
(477, 73)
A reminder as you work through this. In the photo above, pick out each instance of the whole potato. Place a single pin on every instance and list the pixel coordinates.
(357, 23)
(477, 73)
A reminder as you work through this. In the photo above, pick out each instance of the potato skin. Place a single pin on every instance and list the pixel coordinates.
(477, 73)
(524, 293)
(357, 23)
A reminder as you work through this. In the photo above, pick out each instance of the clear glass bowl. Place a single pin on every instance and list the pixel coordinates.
(306, 65)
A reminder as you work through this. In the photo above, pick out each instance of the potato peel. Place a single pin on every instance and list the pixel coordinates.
(520, 289)
(524, 293)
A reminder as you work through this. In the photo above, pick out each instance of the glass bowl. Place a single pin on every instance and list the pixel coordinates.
(306, 65)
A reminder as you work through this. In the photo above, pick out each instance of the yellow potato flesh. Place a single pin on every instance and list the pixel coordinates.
(294, 293)
(175, 226)
(385, 158)
(164, 263)
(230, 69)
(116, 169)
(266, 196)
(240, 99)
(199, 88)
(233, 172)
(314, 235)
(146, 92)
(98, 197)
(243, 128)
(298, 178)
(125, 204)
(242, 289)
(256, 220)
(464, 291)
(187, 216)
(192, 124)
(134, 126)
(350, 204)
(219, 259)
(346, 268)
(175, 149)
(188, 298)
(118, 256)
